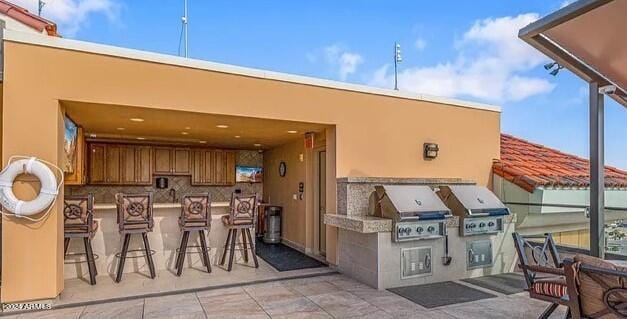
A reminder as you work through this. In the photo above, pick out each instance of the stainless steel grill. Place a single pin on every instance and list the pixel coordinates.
(417, 212)
(479, 210)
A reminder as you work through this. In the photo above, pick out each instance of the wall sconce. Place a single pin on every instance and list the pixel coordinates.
(431, 151)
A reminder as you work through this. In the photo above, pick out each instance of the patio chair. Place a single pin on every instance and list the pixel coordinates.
(543, 270)
(242, 217)
(134, 217)
(78, 222)
(195, 216)
(597, 288)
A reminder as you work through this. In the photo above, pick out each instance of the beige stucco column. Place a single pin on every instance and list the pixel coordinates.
(32, 252)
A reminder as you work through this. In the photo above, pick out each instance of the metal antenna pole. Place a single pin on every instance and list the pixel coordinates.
(41, 4)
(397, 60)
(186, 38)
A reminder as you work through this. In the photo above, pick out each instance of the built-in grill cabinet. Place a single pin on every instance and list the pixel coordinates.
(417, 212)
(479, 210)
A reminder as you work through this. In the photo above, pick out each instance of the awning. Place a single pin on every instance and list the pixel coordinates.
(587, 37)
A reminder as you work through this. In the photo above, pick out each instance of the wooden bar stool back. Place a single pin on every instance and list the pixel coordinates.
(242, 216)
(195, 216)
(78, 222)
(135, 216)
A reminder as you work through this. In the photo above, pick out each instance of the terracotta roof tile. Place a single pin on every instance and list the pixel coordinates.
(22, 15)
(530, 165)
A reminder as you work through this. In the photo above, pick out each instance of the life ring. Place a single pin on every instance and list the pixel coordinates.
(47, 194)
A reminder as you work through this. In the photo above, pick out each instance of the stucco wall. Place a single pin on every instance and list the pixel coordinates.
(375, 135)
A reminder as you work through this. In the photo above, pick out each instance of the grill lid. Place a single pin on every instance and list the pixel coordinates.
(475, 200)
(410, 201)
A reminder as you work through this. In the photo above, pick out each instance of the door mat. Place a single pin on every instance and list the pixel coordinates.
(508, 283)
(284, 258)
(440, 294)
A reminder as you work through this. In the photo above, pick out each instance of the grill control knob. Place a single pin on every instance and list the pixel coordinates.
(481, 225)
(431, 229)
(471, 225)
(491, 224)
(419, 230)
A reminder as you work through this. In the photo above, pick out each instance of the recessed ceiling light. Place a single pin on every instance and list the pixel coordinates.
(222, 126)
(292, 132)
(187, 128)
(184, 133)
(257, 144)
(137, 119)
(237, 136)
(92, 135)
(202, 142)
(141, 138)
(120, 129)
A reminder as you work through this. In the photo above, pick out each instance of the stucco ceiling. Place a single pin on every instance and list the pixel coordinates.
(114, 122)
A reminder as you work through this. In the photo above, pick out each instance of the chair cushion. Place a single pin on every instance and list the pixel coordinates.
(553, 287)
(226, 220)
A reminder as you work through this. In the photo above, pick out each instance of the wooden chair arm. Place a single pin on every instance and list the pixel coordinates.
(546, 270)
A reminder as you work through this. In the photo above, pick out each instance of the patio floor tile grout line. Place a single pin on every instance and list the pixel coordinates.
(257, 302)
(200, 304)
(175, 292)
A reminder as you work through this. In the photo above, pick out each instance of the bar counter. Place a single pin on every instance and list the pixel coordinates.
(164, 241)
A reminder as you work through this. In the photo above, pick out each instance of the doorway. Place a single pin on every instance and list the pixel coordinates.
(322, 200)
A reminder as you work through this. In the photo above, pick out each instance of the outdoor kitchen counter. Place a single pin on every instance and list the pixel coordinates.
(370, 224)
(164, 239)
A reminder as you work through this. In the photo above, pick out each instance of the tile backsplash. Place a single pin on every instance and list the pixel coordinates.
(182, 184)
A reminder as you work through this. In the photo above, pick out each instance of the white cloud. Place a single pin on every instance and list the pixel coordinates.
(71, 15)
(420, 44)
(490, 65)
(340, 59)
(566, 3)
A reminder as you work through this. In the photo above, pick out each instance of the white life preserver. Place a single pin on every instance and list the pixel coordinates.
(47, 193)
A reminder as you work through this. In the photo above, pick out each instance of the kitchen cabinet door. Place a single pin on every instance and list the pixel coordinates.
(112, 164)
(197, 167)
(208, 167)
(96, 163)
(143, 167)
(182, 161)
(230, 168)
(219, 167)
(163, 160)
(128, 164)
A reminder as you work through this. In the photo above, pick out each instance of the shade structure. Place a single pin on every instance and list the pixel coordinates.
(587, 37)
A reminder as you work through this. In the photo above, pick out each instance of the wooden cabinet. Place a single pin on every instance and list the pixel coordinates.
(114, 164)
(127, 164)
(172, 161)
(96, 164)
(213, 167)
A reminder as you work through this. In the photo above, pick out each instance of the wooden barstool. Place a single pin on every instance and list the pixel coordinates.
(78, 222)
(195, 216)
(134, 217)
(241, 217)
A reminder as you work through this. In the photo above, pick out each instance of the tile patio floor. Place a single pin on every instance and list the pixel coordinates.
(325, 296)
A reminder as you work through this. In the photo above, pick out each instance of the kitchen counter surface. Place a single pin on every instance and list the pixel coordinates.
(159, 205)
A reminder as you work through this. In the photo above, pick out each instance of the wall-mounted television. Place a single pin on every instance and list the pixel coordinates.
(248, 174)
(69, 145)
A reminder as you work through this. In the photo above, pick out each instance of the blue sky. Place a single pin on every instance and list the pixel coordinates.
(463, 49)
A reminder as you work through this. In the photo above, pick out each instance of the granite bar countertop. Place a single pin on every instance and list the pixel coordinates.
(402, 180)
(360, 224)
(105, 206)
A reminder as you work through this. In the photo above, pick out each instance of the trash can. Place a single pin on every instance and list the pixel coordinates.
(272, 224)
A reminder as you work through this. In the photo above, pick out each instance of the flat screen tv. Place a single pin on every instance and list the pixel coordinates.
(248, 174)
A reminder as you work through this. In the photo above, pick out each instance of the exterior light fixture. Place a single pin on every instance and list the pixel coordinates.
(431, 151)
